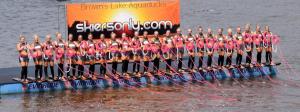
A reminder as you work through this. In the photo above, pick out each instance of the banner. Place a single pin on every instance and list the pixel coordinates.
(119, 17)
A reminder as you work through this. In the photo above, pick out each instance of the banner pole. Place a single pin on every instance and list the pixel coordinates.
(58, 18)
(66, 24)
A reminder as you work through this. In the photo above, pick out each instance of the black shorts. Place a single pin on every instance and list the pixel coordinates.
(114, 55)
(126, 53)
(200, 50)
(137, 53)
(147, 53)
(39, 58)
(179, 50)
(90, 57)
(23, 59)
(100, 56)
(81, 58)
(48, 58)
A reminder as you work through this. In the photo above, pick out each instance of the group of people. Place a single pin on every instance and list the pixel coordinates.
(80, 56)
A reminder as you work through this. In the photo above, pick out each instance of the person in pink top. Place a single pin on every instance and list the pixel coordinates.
(229, 48)
(101, 48)
(125, 53)
(37, 55)
(91, 55)
(71, 47)
(23, 49)
(81, 56)
(200, 43)
(48, 49)
(178, 41)
(190, 46)
(60, 55)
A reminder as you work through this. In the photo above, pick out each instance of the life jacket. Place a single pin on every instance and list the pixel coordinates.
(229, 45)
(155, 46)
(210, 45)
(146, 44)
(200, 43)
(91, 48)
(71, 49)
(125, 44)
(24, 51)
(178, 40)
(190, 43)
(221, 46)
(48, 49)
(37, 48)
(268, 40)
(114, 45)
(169, 42)
(101, 46)
(135, 44)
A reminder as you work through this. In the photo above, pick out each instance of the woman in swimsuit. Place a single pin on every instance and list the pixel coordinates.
(91, 54)
(114, 52)
(136, 52)
(156, 52)
(125, 53)
(37, 55)
(81, 56)
(60, 52)
(200, 42)
(22, 48)
(167, 50)
(48, 49)
(190, 41)
(71, 47)
(101, 47)
(146, 51)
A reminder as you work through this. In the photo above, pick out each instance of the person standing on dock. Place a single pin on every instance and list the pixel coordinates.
(257, 40)
(190, 46)
(200, 43)
(156, 51)
(136, 52)
(101, 47)
(179, 46)
(210, 46)
(114, 52)
(168, 50)
(22, 48)
(81, 56)
(229, 47)
(60, 52)
(239, 46)
(125, 53)
(146, 50)
(91, 55)
(71, 47)
(220, 47)
(37, 55)
(48, 49)
(268, 44)
(247, 37)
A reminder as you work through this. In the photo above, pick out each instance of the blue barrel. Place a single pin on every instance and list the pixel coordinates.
(208, 76)
(217, 74)
(197, 76)
(223, 74)
(235, 73)
(265, 71)
(273, 71)
(255, 71)
(176, 78)
(245, 73)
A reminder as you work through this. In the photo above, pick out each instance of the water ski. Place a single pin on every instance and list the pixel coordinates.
(20, 80)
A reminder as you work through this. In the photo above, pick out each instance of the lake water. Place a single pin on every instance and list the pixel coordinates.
(43, 17)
